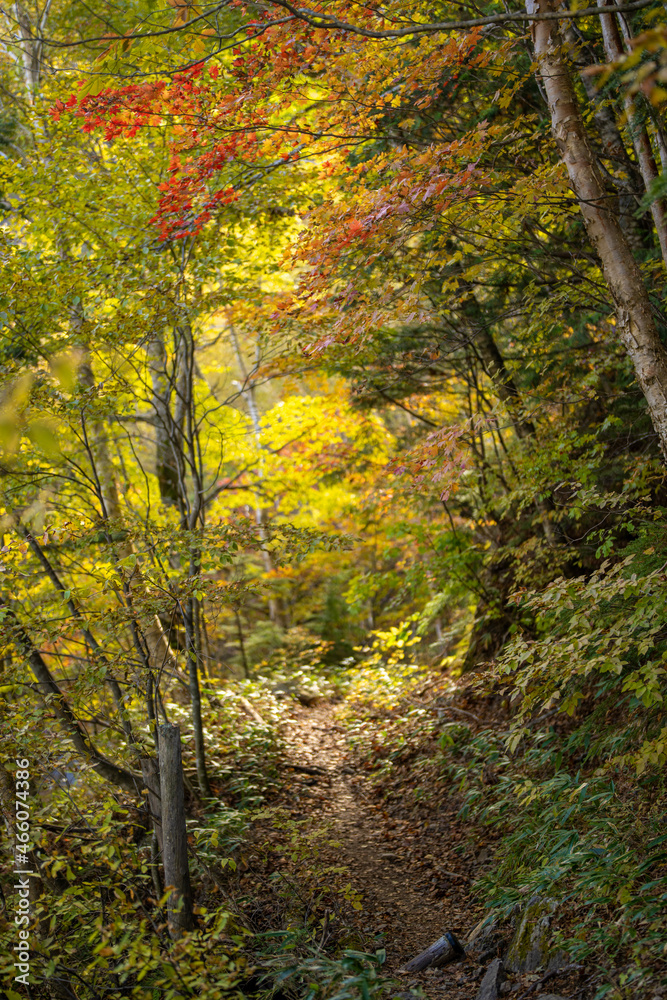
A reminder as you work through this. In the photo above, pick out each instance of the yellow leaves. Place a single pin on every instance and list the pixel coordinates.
(658, 95)
(184, 10)
(515, 739)
(42, 433)
(503, 98)
(95, 85)
(15, 397)
(352, 896)
(65, 367)
(14, 422)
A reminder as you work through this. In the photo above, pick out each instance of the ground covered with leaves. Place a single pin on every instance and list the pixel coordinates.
(349, 830)
(392, 820)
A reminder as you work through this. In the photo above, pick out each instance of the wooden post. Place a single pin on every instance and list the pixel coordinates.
(151, 774)
(446, 949)
(174, 834)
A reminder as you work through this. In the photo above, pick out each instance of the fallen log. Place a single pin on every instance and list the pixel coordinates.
(446, 949)
(252, 712)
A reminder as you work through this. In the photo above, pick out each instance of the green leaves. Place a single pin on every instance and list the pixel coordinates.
(42, 433)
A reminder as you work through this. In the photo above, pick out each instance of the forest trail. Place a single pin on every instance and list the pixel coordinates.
(393, 864)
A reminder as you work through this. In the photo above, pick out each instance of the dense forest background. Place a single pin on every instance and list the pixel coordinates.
(333, 400)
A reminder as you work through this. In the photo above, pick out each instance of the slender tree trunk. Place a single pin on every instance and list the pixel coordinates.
(185, 445)
(613, 47)
(178, 462)
(626, 178)
(165, 464)
(622, 274)
(157, 645)
(505, 386)
(72, 727)
(93, 645)
(507, 391)
(191, 653)
(174, 832)
(239, 632)
(31, 45)
(654, 113)
(201, 637)
(248, 393)
(182, 378)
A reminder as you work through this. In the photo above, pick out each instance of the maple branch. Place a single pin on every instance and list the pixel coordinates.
(396, 402)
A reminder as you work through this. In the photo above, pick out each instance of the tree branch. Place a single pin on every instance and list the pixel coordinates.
(52, 694)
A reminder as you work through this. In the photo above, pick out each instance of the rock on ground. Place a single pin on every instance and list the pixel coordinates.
(530, 948)
(493, 980)
(487, 940)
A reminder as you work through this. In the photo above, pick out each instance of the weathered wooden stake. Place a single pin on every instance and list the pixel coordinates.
(151, 774)
(445, 949)
(174, 834)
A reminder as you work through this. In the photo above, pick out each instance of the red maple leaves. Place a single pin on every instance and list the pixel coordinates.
(185, 106)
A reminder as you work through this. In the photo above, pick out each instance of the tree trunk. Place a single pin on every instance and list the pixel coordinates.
(31, 46)
(178, 461)
(192, 656)
(508, 393)
(55, 698)
(627, 179)
(653, 111)
(622, 275)
(151, 774)
(248, 393)
(182, 378)
(505, 386)
(613, 47)
(157, 646)
(166, 468)
(239, 632)
(175, 839)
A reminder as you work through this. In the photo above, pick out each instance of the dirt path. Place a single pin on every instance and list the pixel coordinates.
(390, 863)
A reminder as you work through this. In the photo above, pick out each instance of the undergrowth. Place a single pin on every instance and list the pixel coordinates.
(557, 757)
